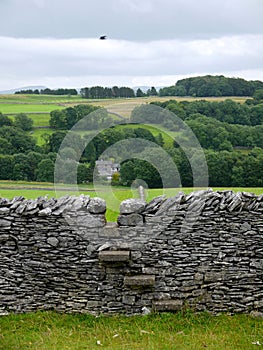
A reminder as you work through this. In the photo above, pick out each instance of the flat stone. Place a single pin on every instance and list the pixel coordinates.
(132, 205)
(168, 305)
(45, 212)
(88, 220)
(139, 280)
(170, 203)
(53, 241)
(114, 255)
(130, 220)
(31, 205)
(4, 211)
(111, 230)
(5, 223)
(153, 205)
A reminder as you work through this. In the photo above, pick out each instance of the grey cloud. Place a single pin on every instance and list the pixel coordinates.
(55, 42)
(78, 57)
(130, 19)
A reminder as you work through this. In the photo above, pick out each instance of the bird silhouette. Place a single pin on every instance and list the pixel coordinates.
(103, 37)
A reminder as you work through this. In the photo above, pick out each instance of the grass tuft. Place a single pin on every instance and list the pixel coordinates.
(183, 330)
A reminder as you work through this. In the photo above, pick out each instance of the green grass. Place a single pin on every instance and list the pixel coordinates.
(8, 108)
(38, 119)
(113, 195)
(155, 129)
(39, 135)
(180, 331)
(28, 98)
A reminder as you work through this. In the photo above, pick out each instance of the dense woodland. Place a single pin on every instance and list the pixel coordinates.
(207, 86)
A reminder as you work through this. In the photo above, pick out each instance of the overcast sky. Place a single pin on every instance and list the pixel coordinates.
(150, 42)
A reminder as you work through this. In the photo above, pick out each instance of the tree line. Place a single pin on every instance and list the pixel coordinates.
(98, 92)
(225, 169)
(47, 91)
(200, 86)
(210, 86)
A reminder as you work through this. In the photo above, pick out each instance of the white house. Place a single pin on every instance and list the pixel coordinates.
(106, 168)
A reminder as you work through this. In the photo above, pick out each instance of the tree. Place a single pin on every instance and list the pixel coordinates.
(55, 140)
(152, 92)
(33, 159)
(89, 154)
(140, 169)
(6, 167)
(144, 134)
(4, 120)
(21, 170)
(71, 117)
(5, 146)
(258, 95)
(23, 122)
(58, 119)
(20, 141)
(139, 93)
(256, 114)
(45, 171)
(82, 173)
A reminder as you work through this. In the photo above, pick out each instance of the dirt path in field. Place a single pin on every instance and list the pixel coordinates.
(124, 109)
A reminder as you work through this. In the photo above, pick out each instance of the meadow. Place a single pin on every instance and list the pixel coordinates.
(7, 108)
(16, 103)
(181, 331)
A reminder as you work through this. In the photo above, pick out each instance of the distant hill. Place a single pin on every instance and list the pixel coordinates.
(212, 86)
(33, 87)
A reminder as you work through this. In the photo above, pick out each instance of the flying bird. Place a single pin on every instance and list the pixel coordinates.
(103, 37)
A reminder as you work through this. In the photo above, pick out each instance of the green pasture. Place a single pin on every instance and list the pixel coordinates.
(31, 98)
(39, 135)
(183, 330)
(8, 108)
(39, 119)
(119, 104)
(155, 129)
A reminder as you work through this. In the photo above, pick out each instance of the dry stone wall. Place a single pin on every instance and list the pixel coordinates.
(203, 250)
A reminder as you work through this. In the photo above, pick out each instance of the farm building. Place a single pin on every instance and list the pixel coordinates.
(106, 168)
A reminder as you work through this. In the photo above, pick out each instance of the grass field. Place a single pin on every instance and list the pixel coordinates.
(180, 331)
(9, 108)
(17, 103)
(39, 119)
(39, 135)
(28, 98)
(168, 136)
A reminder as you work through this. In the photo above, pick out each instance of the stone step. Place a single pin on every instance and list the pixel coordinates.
(112, 256)
(139, 281)
(167, 305)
